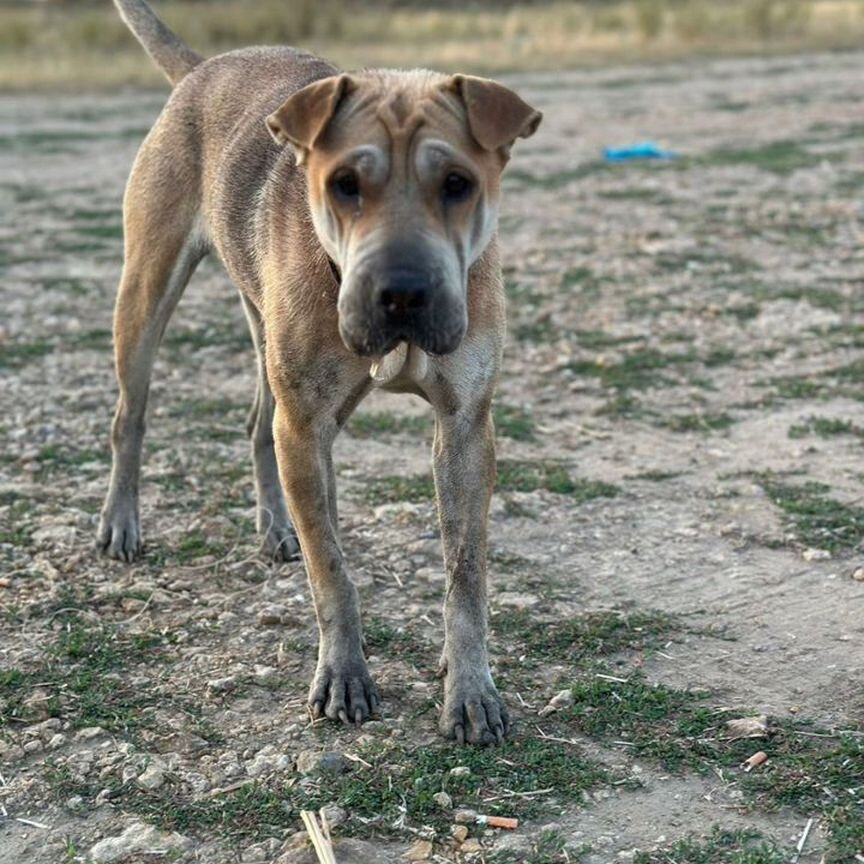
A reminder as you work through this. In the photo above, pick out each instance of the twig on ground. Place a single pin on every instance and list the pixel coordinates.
(323, 847)
(546, 737)
(30, 822)
(800, 847)
(507, 793)
(612, 678)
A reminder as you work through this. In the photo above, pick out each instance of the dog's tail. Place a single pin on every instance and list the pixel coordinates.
(171, 54)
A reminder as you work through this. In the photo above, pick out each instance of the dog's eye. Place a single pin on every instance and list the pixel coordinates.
(346, 184)
(456, 187)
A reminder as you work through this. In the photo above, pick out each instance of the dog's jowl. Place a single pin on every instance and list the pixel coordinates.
(356, 213)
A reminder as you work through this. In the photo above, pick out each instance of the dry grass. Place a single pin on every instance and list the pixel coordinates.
(61, 46)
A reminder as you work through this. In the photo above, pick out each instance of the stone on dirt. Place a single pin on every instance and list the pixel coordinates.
(316, 762)
(137, 839)
(419, 851)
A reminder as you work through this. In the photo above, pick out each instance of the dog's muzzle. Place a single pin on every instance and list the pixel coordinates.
(400, 304)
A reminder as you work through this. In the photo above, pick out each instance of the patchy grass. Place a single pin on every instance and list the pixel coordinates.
(196, 545)
(583, 280)
(585, 637)
(672, 726)
(796, 387)
(816, 519)
(647, 368)
(379, 423)
(703, 422)
(655, 475)
(742, 846)
(825, 427)
(516, 476)
(778, 157)
(394, 488)
(512, 476)
(381, 637)
(821, 774)
(393, 787)
(83, 678)
(14, 355)
(555, 179)
(512, 422)
(548, 847)
(644, 194)
(56, 459)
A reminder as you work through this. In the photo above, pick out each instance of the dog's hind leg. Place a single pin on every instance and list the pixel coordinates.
(277, 534)
(162, 250)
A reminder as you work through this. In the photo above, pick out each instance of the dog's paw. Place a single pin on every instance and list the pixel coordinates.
(119, 534)
(473, 711)
(345, 693)
(280, 544)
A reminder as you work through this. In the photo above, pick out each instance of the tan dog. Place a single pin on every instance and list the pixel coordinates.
(367, 245)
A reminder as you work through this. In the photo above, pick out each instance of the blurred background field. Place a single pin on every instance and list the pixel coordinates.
(52, 44)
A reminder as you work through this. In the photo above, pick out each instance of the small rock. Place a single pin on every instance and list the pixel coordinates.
(54, 535)
(816, 555)
(443, 800)
(333, 814)
(222, 685)
(267, 761)
(315, 762)
(269, 616)
(748, 727)
(137, 838)
(516, 600)
(89, 732)
(858, 575)
(33, 746)
(260, 853)
(266, 676)
(152, 777)
(460, 771)
(37, 704)
(57, 741)
(560, 700)
(472, 844)
(459, 833)
(75, 803)
(420, 851)
(465, 817)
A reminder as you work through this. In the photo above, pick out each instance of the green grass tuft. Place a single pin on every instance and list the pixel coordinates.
(741, 846)
(817, 520)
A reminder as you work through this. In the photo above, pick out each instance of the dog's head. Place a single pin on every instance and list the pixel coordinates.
(403, 173)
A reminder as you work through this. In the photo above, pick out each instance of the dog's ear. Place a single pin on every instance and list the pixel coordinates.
(496, 115)
(302, 119)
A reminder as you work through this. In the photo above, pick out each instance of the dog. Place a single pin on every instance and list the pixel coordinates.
(356, 213)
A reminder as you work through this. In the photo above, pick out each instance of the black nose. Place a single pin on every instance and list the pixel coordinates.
(402, 293)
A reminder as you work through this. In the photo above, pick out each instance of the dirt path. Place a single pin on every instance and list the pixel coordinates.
(681, 426)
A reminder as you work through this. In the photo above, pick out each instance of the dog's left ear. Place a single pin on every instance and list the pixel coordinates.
(302, 119)
(496, 115)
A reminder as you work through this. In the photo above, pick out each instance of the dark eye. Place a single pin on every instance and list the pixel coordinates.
(456, 187)
(346, 184)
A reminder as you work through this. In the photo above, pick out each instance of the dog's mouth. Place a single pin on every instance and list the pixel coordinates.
(375, 342)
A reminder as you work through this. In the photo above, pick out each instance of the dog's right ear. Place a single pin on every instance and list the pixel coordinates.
(302, 119)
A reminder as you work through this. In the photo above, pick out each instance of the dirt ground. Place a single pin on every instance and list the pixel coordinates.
(688, 332)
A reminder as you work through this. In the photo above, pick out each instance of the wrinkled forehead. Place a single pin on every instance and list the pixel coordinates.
(373, 123)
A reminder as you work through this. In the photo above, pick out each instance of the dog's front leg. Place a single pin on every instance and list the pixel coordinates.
(464, 465)
(342, 688)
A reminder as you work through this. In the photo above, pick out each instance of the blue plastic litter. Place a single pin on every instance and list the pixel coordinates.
(641, 150)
